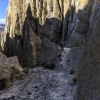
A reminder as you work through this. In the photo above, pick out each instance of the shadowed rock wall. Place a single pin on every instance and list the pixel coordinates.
(89, 69)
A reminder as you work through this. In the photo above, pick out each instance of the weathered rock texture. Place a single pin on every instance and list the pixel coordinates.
(48, 18)
(49, 54)
(10, 69)
(89, 70)
(53, 19)
(66, 22)
(21, 39)
(2, 27)
(70, 58)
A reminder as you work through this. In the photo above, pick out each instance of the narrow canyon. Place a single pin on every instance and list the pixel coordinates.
(50, 50)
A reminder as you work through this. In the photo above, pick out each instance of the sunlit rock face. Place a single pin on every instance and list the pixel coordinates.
(20, 33)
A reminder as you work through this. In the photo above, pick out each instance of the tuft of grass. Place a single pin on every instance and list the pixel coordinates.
(71, 70)
(7, 83)
(27, 70)
(74, 79)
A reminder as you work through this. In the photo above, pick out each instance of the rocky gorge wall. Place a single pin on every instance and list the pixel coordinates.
(61, 21)
(70, 23)
(89, 69)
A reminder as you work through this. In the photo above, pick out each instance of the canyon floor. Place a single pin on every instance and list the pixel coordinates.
(43, 84)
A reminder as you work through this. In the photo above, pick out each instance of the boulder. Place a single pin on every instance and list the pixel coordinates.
(48, 54)
(10, 69)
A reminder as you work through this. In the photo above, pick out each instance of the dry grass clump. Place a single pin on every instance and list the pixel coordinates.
(74, 79)
(71, 70)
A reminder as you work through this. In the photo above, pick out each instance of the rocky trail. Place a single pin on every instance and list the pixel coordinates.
(43, 84)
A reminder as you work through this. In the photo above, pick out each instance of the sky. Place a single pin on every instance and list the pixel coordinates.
(3, 6)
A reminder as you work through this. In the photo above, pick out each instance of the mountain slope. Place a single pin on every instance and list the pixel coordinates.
(2, 26)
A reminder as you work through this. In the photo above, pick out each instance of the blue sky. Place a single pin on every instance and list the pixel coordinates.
(3, 6)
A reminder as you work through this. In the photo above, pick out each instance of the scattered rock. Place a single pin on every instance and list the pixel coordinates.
(42, 84)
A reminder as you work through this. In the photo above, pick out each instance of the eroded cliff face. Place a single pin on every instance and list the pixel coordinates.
(57, 20)
(89, 69)
(21, 38)
(70, 23)
(61, 21)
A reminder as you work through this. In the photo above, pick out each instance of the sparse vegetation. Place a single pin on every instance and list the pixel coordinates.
(7, 83)
(74, 79)
(71, 70)
(26, 71)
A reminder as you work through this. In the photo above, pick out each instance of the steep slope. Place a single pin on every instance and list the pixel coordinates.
(61, 22)
(10, 70)
(89, 69)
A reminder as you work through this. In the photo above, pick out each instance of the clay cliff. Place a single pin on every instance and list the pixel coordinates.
(62, 22)
(56, 34)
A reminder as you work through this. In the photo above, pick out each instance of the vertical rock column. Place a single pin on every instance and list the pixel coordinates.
(21, 26)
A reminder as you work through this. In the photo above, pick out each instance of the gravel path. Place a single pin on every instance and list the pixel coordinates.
(42, 84)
